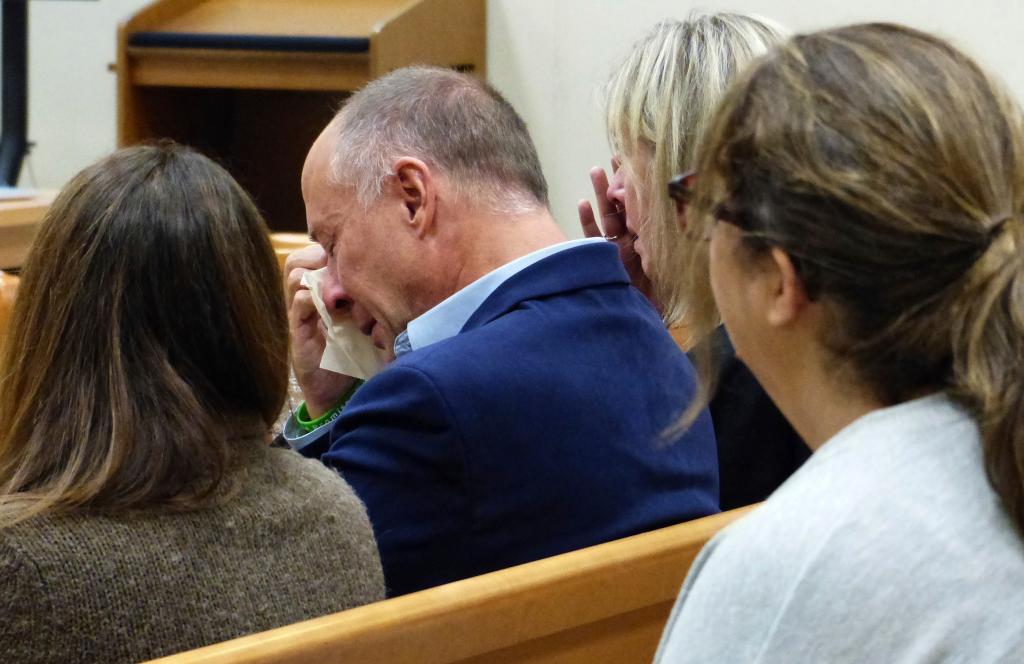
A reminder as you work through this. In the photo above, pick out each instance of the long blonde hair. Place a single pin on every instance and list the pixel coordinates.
(890, 168)
(659, 103)
(150, 315)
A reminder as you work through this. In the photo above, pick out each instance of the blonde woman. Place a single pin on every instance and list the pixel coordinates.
(659, 103)
(863, 189)
(141, 510)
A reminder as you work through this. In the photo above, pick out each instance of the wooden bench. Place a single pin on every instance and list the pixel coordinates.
(8, 289)
(286, 243)
(607, 603)
(19, 222)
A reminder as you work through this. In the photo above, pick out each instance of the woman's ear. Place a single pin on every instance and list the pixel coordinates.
(417, 190)
(785, 289)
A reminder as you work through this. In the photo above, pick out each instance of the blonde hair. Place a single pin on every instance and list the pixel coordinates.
(150, 316)
(890, 168)
(659, 103)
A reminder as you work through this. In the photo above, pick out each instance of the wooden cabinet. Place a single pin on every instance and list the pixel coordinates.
(252, 82)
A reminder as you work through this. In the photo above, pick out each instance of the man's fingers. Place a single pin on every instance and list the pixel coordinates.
(311, 257)
(293, 282)
(302, 309)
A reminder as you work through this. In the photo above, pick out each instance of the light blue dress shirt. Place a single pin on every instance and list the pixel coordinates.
(447, 319)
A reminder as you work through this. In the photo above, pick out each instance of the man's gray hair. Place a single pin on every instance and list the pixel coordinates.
(453, 122)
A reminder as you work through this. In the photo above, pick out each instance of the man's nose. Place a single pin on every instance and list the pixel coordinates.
(335, 296)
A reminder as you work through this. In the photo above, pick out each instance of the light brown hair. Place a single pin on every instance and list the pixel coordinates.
(890, 168)
(659, 103)
(150, 315)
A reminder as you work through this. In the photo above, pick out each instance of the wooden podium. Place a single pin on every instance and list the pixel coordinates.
(252, 82)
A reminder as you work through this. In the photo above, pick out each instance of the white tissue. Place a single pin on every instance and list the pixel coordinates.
(348, 350)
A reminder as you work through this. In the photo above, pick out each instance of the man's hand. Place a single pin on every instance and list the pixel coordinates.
(321, 388)
(613, 228)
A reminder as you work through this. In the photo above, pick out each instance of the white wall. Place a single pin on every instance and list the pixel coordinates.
(71, 93)
(548, 56)
(551, 56)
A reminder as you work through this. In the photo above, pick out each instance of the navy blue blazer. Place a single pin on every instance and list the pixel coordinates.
(538, 429)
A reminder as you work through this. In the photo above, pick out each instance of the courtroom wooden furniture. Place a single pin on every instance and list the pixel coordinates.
(607, 603)
(19, 220)
(252, 82)
(8, 290)
(285, 243)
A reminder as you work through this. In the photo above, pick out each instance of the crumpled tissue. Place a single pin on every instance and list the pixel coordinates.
(348, 350)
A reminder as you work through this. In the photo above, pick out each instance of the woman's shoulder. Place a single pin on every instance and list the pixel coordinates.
(910, 472)
(289, 542)
(817, 582)
(887, 521)
(277, 486)
(871, 503)
(274, 470)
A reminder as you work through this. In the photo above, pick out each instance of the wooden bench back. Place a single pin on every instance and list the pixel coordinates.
(607, 603)
(8, 290)
(286, 243)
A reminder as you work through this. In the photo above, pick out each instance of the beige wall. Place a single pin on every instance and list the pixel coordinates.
(548, 56)
(71, 93)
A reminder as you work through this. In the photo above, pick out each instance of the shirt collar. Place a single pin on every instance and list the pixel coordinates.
(447, 319)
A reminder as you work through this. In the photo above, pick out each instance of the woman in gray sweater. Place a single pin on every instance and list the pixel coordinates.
(150, 324)
(863, 191)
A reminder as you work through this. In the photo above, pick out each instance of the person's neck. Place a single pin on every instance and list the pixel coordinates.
(491, 241)
(819, 400)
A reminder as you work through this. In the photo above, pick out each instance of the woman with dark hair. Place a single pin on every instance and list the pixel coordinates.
(142, 511)
(863, 191)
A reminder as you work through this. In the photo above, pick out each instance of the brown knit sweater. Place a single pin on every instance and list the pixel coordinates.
(293, 543)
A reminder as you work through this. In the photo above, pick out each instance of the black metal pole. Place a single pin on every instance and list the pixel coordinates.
(14, 109)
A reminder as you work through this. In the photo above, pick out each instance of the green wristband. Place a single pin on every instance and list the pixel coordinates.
(308, 425)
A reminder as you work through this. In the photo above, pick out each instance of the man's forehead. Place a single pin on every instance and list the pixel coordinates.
(317, 189)
(318, 160)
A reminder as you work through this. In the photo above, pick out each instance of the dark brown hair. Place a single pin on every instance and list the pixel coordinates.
(891, 169)
(150, 314)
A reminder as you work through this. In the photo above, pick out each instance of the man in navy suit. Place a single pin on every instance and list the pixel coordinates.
(526, 411)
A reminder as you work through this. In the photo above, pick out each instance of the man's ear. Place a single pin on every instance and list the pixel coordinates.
(787, 294)
(417, 189)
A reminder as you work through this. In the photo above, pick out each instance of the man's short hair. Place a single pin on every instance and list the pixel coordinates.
(453, 122)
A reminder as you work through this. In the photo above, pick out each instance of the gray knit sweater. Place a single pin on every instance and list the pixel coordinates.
(293, 543)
